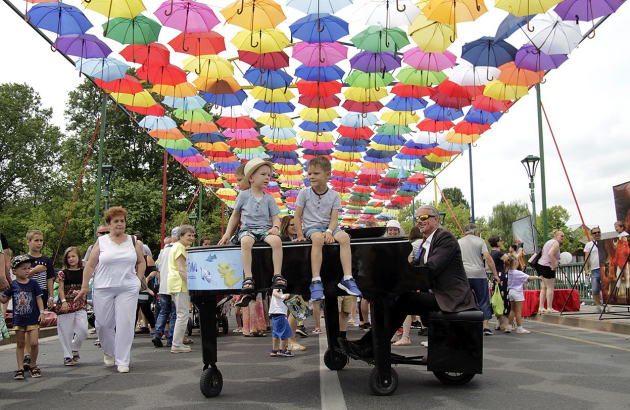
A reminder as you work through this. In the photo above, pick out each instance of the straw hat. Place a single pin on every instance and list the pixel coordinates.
(252, 166)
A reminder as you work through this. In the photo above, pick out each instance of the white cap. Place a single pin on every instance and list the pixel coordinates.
(394, 224)
(174, 232)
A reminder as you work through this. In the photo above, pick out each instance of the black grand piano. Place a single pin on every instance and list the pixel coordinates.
(381, 270)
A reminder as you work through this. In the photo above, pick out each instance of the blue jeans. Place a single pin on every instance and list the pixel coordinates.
(482, 294)
(596, 281)
(166, 308)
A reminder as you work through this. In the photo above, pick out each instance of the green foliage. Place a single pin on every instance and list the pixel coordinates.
(557, 218)
(451, 223)
(455, 197)
(500, 222)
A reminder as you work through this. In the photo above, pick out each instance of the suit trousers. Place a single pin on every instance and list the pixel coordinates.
(72, 329)
(115, 310)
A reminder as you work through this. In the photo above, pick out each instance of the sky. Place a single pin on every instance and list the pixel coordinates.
(585, 100)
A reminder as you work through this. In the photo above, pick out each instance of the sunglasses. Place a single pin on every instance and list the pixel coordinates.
(425, 217)
(103, 233)
(595, 233)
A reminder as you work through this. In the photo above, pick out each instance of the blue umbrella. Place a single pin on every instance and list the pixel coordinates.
(377, 160)
(437, 113)
(105, 69)
(476, 116)
(374, 153)
(284, 154)
(185, 103)
(488, 52)
(59, 18)
(319, 28)
(276, 107)
(406, 104)
(227, 167)
(206, 137)
(317, 6)
(318, 126)
(271, 79)
(319, 152)
(345, 141)
(510, 24)
(324, 74)
(350, 148)
(278, 133)
(388, 139)
(225, 100)
(151, 122)
(190, 152)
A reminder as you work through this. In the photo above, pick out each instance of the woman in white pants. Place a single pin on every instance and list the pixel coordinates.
(118, 266)
(72, 324)
(177, 285)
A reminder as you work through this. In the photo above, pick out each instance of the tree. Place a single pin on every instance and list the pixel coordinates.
(500, 222)
(460, 216)
(455, 197)
(557, 218)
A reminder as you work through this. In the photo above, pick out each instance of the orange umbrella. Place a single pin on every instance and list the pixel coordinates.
(227, 85)
(198, 127)
(172, 134)
(512, 75)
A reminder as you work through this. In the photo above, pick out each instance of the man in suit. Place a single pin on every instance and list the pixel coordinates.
(451, 292)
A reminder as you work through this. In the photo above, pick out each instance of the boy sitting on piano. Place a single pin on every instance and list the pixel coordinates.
(316, 219)
(258, 214)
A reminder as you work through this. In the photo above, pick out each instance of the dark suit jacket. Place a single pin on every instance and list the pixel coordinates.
(448, 278)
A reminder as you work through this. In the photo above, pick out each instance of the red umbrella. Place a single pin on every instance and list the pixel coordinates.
(417, 152)
(470, 128)
(485, 103)
(362, 133)
(434, 126)
(269, 61)
(236, 123)
(413, 91)
(418, 178)
(322, 102)
(127, 85)
(451, 102)
(284, 148)
(361, 107)
(198, 44)
(153, 54)
(455, 90)
(315, 88)
(156, 110)
(168, 75)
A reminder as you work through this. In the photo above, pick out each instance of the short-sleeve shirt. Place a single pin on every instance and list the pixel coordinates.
(317, 208)
(473, 248)
(256, 213)
(516, 279)
(175, 281)
(50, 272)
(25, 310)
(72, 282)
(593, 259)
(498, 263)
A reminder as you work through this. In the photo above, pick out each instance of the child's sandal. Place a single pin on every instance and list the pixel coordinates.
(75, 357)
(248, 285)
(35, 372)
(18, 374)
(278, 282)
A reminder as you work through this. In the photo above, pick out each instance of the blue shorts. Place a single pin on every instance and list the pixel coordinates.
(281, 327)
(257, 235)
(596, 281)
(318, 229)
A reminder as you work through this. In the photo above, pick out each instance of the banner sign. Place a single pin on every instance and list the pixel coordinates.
(212, 270)
(523, 232)
(612, 257)
(622, 203)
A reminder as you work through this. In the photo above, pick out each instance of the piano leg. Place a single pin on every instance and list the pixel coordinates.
(383, 379)
(333, 358)
(211, 382)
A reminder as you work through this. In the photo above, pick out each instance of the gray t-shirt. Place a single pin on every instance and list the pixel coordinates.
(256, 213)
(317, 208)
(593, 259)
(473, 248)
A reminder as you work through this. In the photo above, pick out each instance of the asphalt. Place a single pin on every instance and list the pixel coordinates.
(556, 366)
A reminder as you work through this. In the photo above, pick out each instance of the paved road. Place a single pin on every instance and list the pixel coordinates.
(553, 368)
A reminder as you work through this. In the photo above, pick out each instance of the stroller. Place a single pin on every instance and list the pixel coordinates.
(223, 310)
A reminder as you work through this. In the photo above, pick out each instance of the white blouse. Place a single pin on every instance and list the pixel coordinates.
(116, 264)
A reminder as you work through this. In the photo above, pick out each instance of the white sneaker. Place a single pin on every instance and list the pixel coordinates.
(610, 310)
(522, 331)
(108, 360)
(425, 343)
(508, 329)
(122, 369)
(598, 309)
(180, 349)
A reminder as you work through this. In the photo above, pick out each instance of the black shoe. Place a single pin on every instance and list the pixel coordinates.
(362, 351)
(142, 331)
(244, 302)
(366, 326)
(301, 330)
(26, 363)
(423, 332)
(157, 342)
(343, 344)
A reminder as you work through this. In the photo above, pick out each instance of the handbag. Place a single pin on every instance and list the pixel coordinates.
(533, 261)
(497, 302)
(298, 307)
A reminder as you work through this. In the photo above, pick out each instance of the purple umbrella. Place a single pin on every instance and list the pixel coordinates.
(370, 62)
(187, 16)
(319, 54)
(530, 58)
(83, 46)
(586, 10)
(420, 60)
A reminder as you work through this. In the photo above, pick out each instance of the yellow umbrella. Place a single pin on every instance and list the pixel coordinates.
(209, 66)
(458, 138)
(115, 8)
(318, 115)
(383, 147)
(287, 167)
(500, 91)
(521, 8)
(316, 137)
(179, 90)
(432, 36)
(261, 41)
(289, 141)
(365, 94)
(226, 85)
(347, 156)
(400, 117)
(434, 158)
(254, 14)
(276, 120)
(454, 11)
(213, 146)
(345, 166)
(141, 99)
(268, 95)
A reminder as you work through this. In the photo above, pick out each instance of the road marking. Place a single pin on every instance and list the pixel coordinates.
(329, 385)
(580, 340)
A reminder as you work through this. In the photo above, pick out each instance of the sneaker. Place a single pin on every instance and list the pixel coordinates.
(108, 360)
(508, 329)
(598, 309)
(122, 369)
(610, 310)
(423, 332)
(317, 290)
(27, 363)
(317, 331)
(487, 331)
(366, 326)
(286, 353)
(180, 349)
(425, 343)
(244, 302)
(301, 330)
(67, 361)
(75, 357)
(274, 353)
(416, 325)
(522, 331)
(350, 286)
(157, 342)
(355, 324)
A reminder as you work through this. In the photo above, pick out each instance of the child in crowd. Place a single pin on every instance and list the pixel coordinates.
(281, 329)
(316, 219)
(258, 215)
(516, 280)
(27, 301)
(72, 324)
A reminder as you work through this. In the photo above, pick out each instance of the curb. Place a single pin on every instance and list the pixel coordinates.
(610, 323)
(43, 332)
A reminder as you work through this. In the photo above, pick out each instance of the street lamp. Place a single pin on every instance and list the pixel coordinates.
(442, 218)
(530, 163)
(108, 171)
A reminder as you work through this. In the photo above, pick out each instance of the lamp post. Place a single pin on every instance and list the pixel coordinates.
(442, 218)
(193, 221)
(530, 163)
(108, 171)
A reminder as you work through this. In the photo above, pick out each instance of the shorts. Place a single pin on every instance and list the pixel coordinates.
(26, 328)
(344, 303)
(308, 232)
(546, 272)
(281, 327)
(515, 296)
(258, 235)
(596, 281)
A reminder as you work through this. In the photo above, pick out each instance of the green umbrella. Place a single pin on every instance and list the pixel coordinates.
(196, 115)
(182, 144)
(407, 194)
(393, 129)
(421, 78)
(369, 80)
(138, 30)
(426, 171)
(377, 40)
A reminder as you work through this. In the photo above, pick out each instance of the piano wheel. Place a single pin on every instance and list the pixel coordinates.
(380, 390)
(211, 382)
(454, 379)
(334, 360)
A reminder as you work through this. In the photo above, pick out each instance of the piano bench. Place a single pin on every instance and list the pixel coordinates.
(456, 342)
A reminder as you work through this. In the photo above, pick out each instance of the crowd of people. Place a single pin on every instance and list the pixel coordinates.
(119, 277)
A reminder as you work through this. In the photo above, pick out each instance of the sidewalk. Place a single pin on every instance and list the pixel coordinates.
(44, 332)
(588, 318)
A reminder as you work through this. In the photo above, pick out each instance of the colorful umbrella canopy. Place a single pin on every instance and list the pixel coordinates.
(153, 54)
(488, 52)
(317, 6)
(370, 62)
(525, 8)
(82, 45)
(260, 41)
(60, 18)
(390, 13)
(530, 58)
(319, 28)
(378, 40)
(554, 36)
(586, 10)
(254, 14)
(202, 43)
(432, 36)
(105, 69)
(421, 60)
(319, 54)
(137, 30)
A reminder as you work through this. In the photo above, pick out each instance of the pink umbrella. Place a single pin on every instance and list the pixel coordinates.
(240, 134)
(319, 54)
(317, 145)
(187, 16)
(420, 60)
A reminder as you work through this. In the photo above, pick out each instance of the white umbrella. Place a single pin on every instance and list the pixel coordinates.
(555, 36)
(468, 75)
(390, 13)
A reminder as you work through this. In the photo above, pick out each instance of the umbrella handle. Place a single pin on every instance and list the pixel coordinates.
(577, 20)
(386, 38)
(184, 43)
(240, 11)
(168, 13)
(488, 74)
(364, 114)
(530, 29)
(320, 28)
(477, 5)
(404, 7)
(251, 40)
(262, 70)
